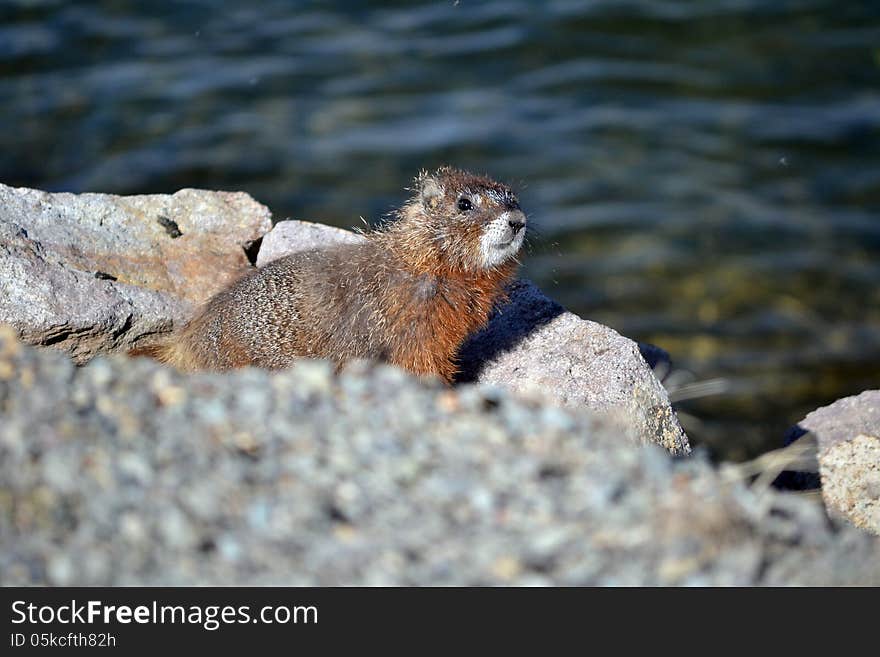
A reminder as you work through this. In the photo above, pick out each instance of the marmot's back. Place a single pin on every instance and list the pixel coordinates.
(409, 294)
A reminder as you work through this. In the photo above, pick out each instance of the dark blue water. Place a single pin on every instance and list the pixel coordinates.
(704, 175)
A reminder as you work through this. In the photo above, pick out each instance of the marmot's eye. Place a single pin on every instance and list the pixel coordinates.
(464, 204)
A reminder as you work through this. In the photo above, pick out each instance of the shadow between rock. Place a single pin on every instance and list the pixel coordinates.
(526, 311)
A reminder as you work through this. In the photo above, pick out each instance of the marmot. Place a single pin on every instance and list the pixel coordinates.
(408, 295)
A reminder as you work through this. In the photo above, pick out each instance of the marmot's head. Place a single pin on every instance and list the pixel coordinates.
(473, 222)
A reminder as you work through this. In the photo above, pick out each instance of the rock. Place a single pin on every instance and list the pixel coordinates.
(848, 437)
(533, 346)
(295, 236)
(123, 472)
(850, 472)
(89, 273)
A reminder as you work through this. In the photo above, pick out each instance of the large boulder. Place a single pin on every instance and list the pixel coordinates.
(533, 346)
(847, 435)
(124, 472)
(91, 273)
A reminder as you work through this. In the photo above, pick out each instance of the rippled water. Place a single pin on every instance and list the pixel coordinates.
(704, 175)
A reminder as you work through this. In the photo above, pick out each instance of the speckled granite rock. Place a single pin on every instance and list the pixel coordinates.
(848, 437)
(90, 273)
(124, 473)
(532, 345)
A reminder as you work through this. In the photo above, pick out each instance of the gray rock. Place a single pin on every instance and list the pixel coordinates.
(848, 438)
(296, 236)
(90, 273)
(533, 346)
(123, 472)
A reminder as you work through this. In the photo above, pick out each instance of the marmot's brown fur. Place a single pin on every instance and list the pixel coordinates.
(409, 294)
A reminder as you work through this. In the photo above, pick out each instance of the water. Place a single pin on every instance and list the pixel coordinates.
(704, 175)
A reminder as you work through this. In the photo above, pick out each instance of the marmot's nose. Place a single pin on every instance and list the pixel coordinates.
(517, 223)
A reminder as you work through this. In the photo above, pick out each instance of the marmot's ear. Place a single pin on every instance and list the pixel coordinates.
(430, 192)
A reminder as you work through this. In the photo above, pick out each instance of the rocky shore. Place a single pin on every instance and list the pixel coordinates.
(558, 459)
(123, 472)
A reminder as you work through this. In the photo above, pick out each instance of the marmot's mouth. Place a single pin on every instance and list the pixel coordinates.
(501, 240)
